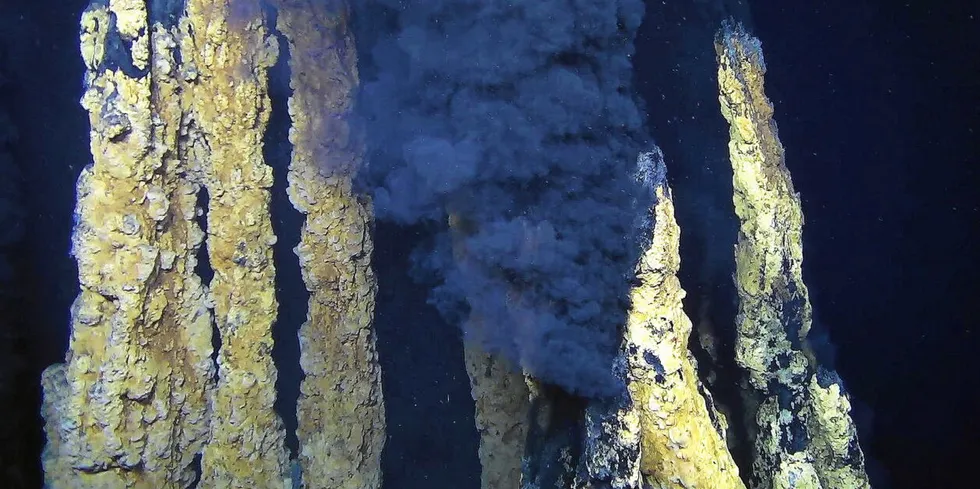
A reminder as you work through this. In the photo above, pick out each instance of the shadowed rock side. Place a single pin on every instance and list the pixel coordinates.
(129, 407)
(682, 437)
(804, 436)
(226, 55)
(663, 430)
(341, 413)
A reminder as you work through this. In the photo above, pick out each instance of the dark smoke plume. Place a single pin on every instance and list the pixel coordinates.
(514, 120)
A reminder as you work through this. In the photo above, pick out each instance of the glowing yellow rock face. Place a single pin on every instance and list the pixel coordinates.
(835, 438)
(130, 406)
(805, 435)
(682, 440)
(137, 399)
(341, 413)
(227, 101)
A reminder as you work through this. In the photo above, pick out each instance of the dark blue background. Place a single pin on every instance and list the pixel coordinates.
(879, 104)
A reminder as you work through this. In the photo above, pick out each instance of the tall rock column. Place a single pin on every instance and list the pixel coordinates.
(500, 393)
(340, 411)
(682, 436)
(501, 402)
(129, 406)
(804, 437)
(226, 54)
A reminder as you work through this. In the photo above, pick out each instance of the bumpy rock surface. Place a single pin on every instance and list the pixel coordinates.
(130, 406)
(501, 402)
(226, 54)
(176, 95)
(682, 437)
(804, 435)
(341, 413)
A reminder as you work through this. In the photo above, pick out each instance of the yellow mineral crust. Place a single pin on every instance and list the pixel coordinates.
(769, 252)
(129, 407)
(226, 56)
(680, 444)
(834, 437)
(341, 413)
(501, 399)
(803, 429)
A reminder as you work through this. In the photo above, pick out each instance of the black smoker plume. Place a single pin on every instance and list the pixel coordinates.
(515, 121)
